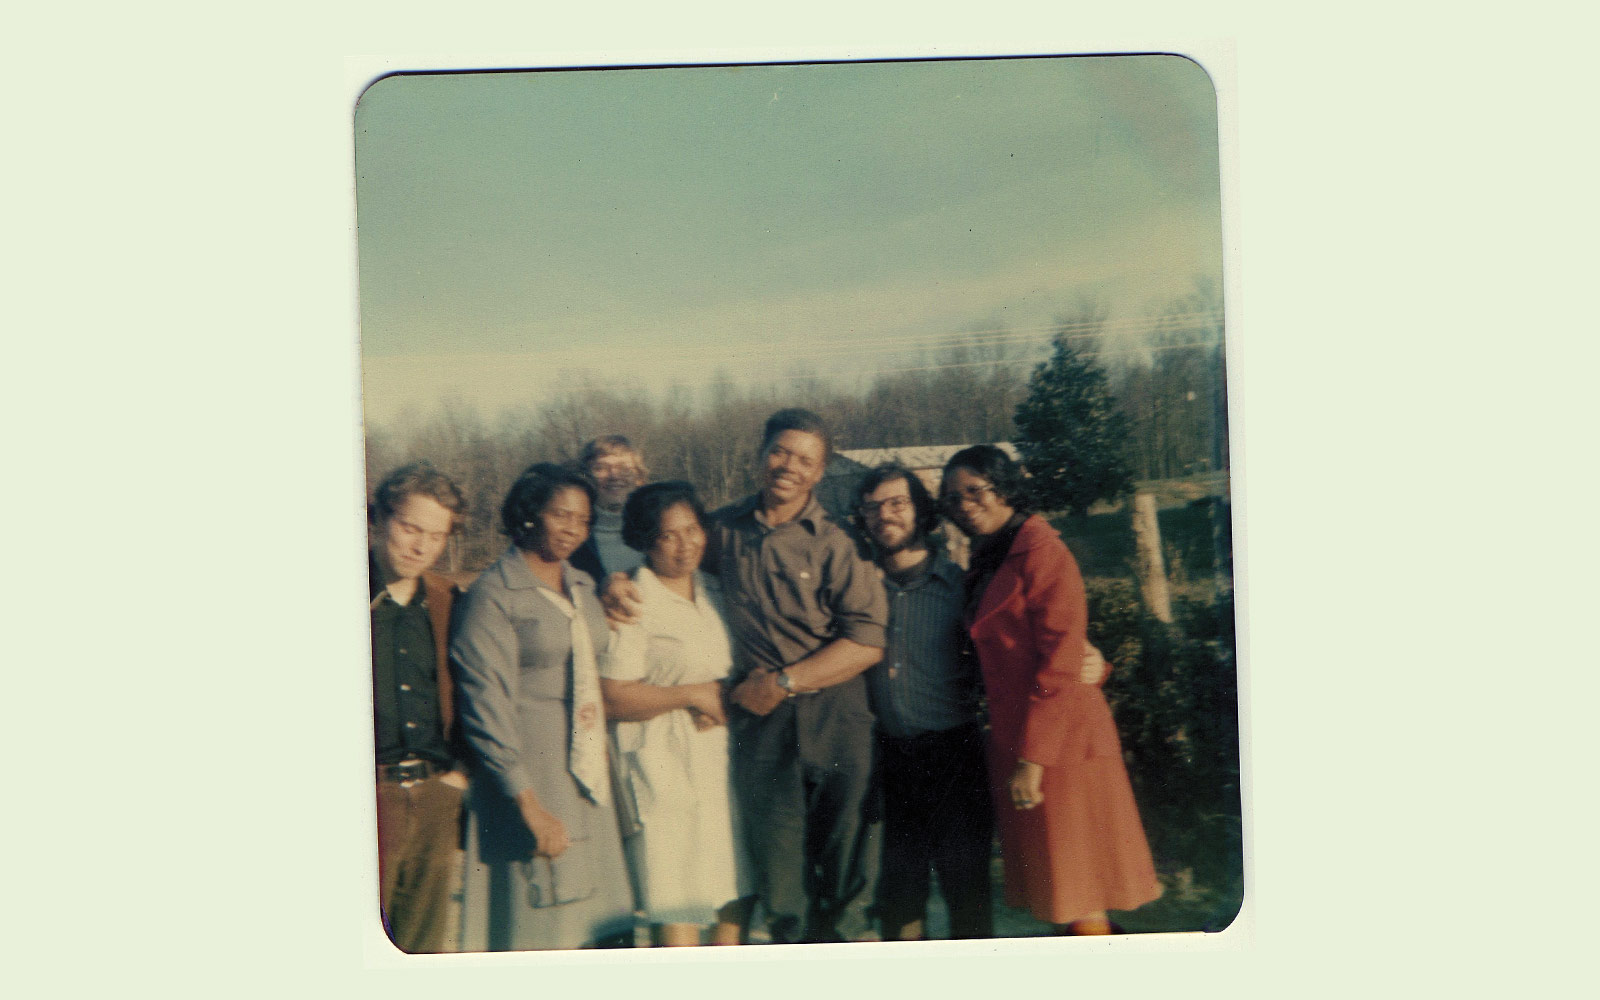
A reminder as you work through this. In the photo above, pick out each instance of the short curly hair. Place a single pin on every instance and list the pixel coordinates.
(422, 479)
(1005, 475)
(796, 419)
(531, 494)
(641, 515)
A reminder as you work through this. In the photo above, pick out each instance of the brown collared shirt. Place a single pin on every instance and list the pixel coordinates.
(792, 588)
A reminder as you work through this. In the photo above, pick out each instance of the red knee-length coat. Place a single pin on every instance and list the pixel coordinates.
(1084, 849)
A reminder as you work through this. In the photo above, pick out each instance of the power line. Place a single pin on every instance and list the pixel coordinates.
(1093, 328)
(1014, 361)
(998, 337)
(1089, 329)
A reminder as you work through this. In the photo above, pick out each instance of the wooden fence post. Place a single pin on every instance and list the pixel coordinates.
(1151, 568)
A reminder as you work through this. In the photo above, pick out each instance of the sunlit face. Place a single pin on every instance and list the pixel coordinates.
(890, 516)
(615, 477)
(680, 544)
(972, 503)
(565, 520)
(413, 538)
(793, 464)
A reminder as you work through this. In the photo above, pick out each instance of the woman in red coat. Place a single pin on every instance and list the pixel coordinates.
(1069, 830)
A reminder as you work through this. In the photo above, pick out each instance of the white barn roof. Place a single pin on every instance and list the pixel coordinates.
(925, 456)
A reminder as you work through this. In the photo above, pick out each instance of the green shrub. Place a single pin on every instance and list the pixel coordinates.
(1173, 690)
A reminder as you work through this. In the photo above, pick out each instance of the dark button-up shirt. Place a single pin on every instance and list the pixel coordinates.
(405, 682)
(793, 588)
(789, 590)
(927, 681)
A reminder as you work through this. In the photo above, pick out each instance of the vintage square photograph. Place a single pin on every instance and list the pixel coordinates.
(798, 503)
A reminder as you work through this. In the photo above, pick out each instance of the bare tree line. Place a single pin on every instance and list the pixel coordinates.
(1171, 389)
(1175, 397)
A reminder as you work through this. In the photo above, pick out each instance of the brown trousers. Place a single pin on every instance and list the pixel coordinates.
(419, 831)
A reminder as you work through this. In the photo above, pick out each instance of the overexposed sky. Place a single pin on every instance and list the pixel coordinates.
(518, 231)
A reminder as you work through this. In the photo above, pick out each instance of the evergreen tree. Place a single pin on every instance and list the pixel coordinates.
(1070, 433)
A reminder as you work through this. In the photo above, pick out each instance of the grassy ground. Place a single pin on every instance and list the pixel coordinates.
(1183, 906)
(1196, 541)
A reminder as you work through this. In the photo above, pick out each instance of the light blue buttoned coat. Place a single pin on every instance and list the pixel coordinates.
(512, 654)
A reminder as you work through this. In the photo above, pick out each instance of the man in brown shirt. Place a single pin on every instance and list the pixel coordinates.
(807, 615)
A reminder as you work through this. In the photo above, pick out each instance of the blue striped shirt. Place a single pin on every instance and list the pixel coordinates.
(925, 682)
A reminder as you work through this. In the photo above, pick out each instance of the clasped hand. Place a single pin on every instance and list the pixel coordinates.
(759, 692)
(705, 705)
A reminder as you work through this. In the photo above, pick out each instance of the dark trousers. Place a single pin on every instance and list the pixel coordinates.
(937, 817)
(419, 831)
(810, 824)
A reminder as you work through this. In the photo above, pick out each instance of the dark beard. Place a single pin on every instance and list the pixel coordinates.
(912, 541)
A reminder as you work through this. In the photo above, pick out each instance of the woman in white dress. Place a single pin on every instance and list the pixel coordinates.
(662, 683)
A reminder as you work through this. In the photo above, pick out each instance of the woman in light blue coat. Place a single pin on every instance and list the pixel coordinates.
(544, 857)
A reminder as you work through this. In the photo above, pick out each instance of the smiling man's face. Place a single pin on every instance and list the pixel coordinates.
(615, 476)
(794, 462)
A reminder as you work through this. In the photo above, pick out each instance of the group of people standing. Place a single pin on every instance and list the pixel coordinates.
(645, 708)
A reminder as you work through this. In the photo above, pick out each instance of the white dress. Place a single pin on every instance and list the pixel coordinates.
(687, 858)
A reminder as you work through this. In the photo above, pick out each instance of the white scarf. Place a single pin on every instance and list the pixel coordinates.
(587, 757)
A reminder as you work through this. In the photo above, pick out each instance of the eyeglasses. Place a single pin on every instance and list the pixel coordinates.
(615, 469)
(972, 494)
(893, 505)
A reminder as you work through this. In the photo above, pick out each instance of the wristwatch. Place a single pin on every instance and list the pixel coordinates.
(786, 683)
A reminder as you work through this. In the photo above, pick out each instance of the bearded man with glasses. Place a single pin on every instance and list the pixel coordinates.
(925, 692)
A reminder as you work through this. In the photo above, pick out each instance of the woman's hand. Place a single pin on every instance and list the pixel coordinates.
(1095, 669)
(1027, 785)
(705, 700)
(546, 828)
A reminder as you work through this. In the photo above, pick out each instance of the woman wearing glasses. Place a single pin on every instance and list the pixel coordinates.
(1070, 834)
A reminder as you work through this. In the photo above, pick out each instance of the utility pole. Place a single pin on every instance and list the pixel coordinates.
(1150, 567)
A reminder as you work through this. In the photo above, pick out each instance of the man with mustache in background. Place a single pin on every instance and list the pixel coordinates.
(617, 469)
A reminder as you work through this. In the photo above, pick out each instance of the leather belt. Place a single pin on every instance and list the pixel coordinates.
(409, 770)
